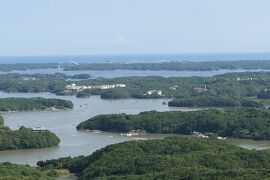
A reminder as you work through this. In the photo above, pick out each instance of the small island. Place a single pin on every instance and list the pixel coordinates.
(172, 66)
(169, 158)
(215, 102)
(25, 138)
(33, 104)
(237, 123)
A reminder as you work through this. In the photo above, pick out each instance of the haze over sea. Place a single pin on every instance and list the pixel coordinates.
(137, 58)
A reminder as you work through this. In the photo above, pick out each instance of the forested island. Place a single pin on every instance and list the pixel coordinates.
(237, 123)
(249, 89)
(30, 104)
(152, 66)
(169, 158)
(25, 138)
(236, 86)
(215, 102)
(173, 65)
(27, 66)
(32, 83)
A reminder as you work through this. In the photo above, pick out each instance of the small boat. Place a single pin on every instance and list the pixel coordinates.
(221, 138)
(96, 131)
(129, 134)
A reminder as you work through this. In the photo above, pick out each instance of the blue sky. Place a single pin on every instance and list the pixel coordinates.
(85, 27)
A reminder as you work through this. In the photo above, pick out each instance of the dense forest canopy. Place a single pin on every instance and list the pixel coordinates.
(233, 85)
(28, 104)
(32, 83)
(10, 171)
(1, 120)
(174, 65)
(26, 138)
(215, 101)
(169, 158)
(238, 123)
(152, 66)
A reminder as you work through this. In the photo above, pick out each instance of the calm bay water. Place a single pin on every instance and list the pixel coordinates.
(75, 143)
(127, 73)
(63, 123)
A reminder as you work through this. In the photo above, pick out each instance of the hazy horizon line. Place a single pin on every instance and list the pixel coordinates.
(138, 54)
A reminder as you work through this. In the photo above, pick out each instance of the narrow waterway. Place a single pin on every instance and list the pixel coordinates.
(75, 143)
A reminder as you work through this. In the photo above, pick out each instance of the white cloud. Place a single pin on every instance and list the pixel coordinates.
(121, 40)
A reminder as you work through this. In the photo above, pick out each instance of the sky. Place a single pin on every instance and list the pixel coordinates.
(87, 27)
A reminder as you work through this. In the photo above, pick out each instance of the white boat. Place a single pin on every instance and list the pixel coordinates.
(129, 134)
(96, 131)
(221, 138)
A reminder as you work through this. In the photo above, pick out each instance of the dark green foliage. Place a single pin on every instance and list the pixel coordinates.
(251, 103)
(169, 158)
(27, 66)
(233, 85)
(88, 92)
(170, 66)
(10, 171)
(264, 95)
(204, 101)
(81, 76)
(117, 93)
(239, 123)
(27, 104)
(214, 101)
(1, 120)
(26, 138)
(32, 83)
(175, 66)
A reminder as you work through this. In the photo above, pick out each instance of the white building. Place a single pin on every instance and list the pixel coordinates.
(157, 92)
(75, 87)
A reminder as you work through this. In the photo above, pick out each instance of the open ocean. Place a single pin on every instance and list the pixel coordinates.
(136, 58)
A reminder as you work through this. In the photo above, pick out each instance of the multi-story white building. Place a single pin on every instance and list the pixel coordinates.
(75, 87)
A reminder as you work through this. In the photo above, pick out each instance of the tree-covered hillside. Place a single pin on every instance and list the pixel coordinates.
(21, 172)
(1, 120)
(169, 158)
(216, 102)
(26, 138)
(28, 104)
(238, 123)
